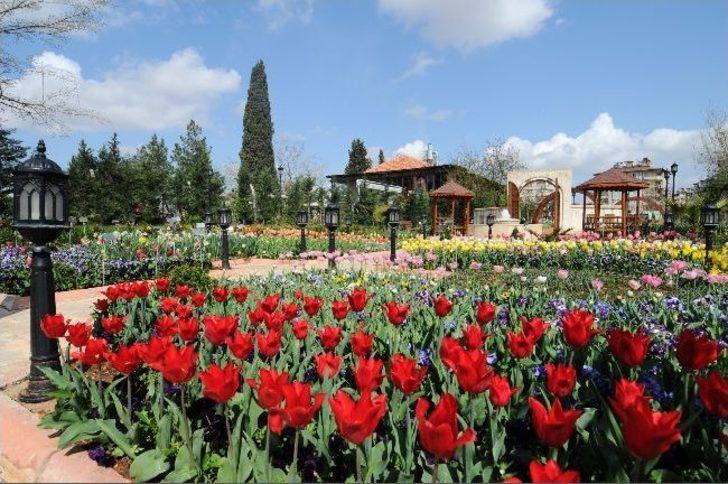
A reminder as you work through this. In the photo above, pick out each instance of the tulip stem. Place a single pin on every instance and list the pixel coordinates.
(128, 394)
(227, 427)
(436, 471)
(294, 465)
(359, 452)
(637, 471)
(188, 429)
(267, 454)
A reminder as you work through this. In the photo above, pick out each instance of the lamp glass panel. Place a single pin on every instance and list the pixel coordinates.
(59, 206)
(34, 202)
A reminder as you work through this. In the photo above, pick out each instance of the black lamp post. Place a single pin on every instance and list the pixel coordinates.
(490, 220)
(225, 216)
(393, 219)
(302, 221)
(673, 169)
(40, 214)
(669, 220)
(666, 175)
(331, 220)
(209, 221)
(710, 218)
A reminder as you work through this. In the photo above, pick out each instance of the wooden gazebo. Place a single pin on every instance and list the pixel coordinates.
(453, 192)
(612, 180)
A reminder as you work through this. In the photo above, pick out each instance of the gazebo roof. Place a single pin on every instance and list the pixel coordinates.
(398, 163)
(612, 179)
(452, 190)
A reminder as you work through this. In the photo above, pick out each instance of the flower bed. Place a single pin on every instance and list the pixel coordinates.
(394, 377)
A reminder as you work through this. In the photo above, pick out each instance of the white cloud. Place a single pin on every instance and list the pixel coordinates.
(420, 112)
(603, 144)
(281, 12)
(417, 149)
(145, 95)
(421, 62)
(469, 24)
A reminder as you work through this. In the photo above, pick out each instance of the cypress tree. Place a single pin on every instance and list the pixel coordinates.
(12, 152)
(257, 162)
(358, 161)
(381, 156)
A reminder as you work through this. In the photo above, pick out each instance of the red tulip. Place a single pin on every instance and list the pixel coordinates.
(560, 379)
(519, 344)
(442, 305)
(274, 321)
(152, 352)
(450, 351)
(257, 315)
(269, 390)
(396, 313)
(551, 472)
(358, 299)
(695, 352)
(179, 365)
(534, 328)
(240, 344)
(220, 384)
(555, 426)
(647, 433)
(311, 305)
(300, 408)
(713, 391)
(188, 329)
(357, 420)
(183, 311)
(53, 326)
(102, 305)
(626, 394)
(125, 360)
(330, 337)
(241, 294)
(500, 391)
(298, 294)
(269, 344)
(300, 329)
(290, 310)
(439, 432)
(220, 294)
(473, 336)
(93, 353)
(577, 326)
(327, 364)
(270, 302)
(78, 334)
(406, 374)
(485, 312)
(361, 343)
(141, 289)
(166, 326)
(339, 309)
(162, 284)
(182, 291)
(368, 374)
(198, 299)
(629, 348)
(218, 328)
(168, 304)
(472, 371)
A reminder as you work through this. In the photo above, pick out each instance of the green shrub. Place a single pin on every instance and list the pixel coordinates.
(191, 275)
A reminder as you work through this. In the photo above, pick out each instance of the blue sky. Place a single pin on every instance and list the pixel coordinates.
(569, 83)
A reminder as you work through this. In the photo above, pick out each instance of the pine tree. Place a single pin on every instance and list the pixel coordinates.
(381, 156)
(151, 175)
(83, 189)
(257, 161)
(12, 152)
(110, 197)
(196, 185)
(358, 161)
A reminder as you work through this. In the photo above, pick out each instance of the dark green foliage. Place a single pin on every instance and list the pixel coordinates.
(197, 186)
(417, 208)
(299, 195)
(12, 152)
(358, 161)
(191, 275)
(257, 161)
(151, 176)
(110, 185)
(381, 156)
(84, 192)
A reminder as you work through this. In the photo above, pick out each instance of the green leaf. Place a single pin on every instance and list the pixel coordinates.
(109, 428)
(58, 380)
(78, 431)
(164, 432)
(148, 465)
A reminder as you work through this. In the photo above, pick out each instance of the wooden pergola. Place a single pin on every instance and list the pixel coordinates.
(453, 192)
(612, 180)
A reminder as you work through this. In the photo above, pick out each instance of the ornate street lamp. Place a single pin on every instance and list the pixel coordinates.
(40, 214)
(224, 217)
(673, 169)
(710, 218)
(302, 221)
(331, 220)
(666, 175)
(669, 220)
(393, 219)
(209, 221)
(490, 220)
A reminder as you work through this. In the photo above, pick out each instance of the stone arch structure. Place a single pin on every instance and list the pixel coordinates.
(561, 182)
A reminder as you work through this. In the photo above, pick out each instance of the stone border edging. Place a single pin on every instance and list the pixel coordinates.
(28, 453)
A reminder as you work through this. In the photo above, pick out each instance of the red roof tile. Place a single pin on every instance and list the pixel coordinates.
(452, 189)
(397, 163)
(613, 179)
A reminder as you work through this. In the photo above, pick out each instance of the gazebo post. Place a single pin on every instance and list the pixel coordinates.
(637, 209)
(452, 210)
(434, 215)
(583, 210)
(466, 220)
(597, 208)
(624, 213)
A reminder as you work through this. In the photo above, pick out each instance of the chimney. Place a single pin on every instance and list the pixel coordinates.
(431, 155)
